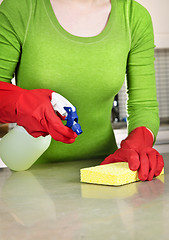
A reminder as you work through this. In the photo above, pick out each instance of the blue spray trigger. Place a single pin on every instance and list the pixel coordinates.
(71, 116)
(72, 120)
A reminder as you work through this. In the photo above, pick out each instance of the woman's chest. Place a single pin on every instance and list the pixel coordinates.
(66, 66)
(53, 59)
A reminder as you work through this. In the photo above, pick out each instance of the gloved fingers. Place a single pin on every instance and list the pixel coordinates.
(59, 128)
(60, 137)
(124, 155)
(37, 134)
(40, 131)
(152, 156)
(45, 120)
(63, 139)
(160, 165)
(55, 126)
(56, 135)
(143, 170)
(132, 158)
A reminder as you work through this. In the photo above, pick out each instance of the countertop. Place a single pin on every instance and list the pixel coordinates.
(48, 202)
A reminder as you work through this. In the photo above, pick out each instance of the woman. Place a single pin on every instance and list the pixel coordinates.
(81, 50)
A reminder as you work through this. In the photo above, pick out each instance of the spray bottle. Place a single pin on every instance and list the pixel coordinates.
(19, 150)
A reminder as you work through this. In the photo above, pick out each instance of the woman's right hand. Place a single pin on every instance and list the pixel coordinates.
(33, 110)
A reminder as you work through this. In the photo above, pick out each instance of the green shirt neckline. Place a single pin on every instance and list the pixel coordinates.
(58, 26)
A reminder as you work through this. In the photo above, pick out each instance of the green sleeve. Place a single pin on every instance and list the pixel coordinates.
(14, 16)
(142, 105)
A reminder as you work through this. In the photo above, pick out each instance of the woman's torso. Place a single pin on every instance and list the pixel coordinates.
(88, 71)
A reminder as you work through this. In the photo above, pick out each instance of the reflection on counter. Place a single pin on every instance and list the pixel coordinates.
(27, 207)
(49, 202)
(149, 190)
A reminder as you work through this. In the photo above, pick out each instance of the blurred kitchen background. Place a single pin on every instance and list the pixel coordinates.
(160, 17)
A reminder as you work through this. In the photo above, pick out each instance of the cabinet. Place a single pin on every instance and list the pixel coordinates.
(160, 17)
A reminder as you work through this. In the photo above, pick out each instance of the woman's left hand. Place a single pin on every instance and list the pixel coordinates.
(137, 150)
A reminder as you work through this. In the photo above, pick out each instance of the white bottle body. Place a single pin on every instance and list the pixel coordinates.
(19, 150)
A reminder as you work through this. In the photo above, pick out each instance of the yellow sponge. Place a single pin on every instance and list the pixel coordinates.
(110, 174)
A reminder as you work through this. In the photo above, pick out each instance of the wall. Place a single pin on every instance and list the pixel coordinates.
(160, 17)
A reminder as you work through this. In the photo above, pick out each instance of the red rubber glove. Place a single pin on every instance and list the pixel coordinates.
(33, 110)
(137, 150)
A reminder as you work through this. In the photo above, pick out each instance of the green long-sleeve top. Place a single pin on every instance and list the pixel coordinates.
(88, 71)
